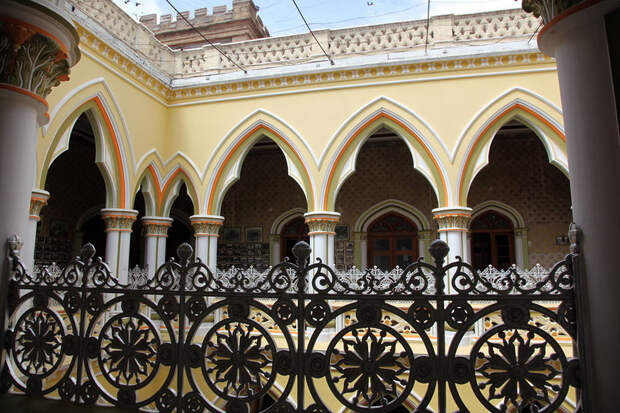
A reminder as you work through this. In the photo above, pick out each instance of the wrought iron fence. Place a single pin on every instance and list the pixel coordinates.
(186, 340)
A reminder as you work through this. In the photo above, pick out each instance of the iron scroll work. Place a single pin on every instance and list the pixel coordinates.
(189, 341)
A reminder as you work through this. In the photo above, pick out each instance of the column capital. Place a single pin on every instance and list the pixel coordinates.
(322, 222)
(519, 232)
(118, 220)
(274, 237)
(548, 9)
(425, 234)
(360, 236)
(39, 43)
(38, 200)
(156, 226)
(452, 219)
(206, 225)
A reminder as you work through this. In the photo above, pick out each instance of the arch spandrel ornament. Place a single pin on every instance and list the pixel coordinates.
(428, 152)
(237, 145)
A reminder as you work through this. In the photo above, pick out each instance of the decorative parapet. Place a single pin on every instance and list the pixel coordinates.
(548, 9)
(38, 46)
(444, 31)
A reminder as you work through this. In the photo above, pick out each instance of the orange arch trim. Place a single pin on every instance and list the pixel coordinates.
(360, 130)
(247, 135)
(117, 149)
(162, 191)
(490, 125)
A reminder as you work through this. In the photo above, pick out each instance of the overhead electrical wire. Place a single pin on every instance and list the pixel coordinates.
(207, 40)
(312, 33)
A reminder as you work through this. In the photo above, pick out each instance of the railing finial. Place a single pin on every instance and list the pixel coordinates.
(14, 245)
(439, 250)
(302, 251)
(574, 235)
(88, 251)
(185, 251)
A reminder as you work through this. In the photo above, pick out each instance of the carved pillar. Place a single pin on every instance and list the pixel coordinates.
(453, 226)
(424, 241)
(38, 45)
(521, 254)
(207, 231)
(155, 234)
(322, 230)
(583, 37)
(274, 248)
(360, 251)
(38, 200)
(118, 224)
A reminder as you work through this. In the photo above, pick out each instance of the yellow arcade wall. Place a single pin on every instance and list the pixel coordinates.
(147, 131)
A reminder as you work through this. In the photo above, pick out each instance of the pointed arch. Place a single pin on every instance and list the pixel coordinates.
(285, 218)
(513, 105)
(238, 143)
(94, 100)
(511, 213)
(421, 140)
(163, 190)
(391, 205)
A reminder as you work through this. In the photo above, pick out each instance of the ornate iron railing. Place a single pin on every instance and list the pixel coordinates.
(186, 340)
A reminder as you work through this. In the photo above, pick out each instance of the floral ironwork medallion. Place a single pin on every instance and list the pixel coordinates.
(38, 342)
(238, 359)
(129, 346)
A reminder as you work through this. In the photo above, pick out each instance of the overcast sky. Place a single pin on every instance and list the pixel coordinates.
(281, 17)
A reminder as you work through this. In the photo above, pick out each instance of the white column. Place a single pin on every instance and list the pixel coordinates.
(274, 241)
(118, 224)
(20, 115)
(206, 232)
(322, 230)
(424, 240)
(521, 248)
(453, 229)
(579, 41)
(155, 233)
(38, 200)
(360, 240)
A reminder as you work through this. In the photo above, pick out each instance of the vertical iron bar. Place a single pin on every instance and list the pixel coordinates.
(181, 334)
(301, 250)
(82, 352)
(439, 250)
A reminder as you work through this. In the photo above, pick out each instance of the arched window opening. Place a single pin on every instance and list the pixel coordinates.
(392, 241)
(492, 241)
(71, 217)
(294, 231)
(181, 229)
(137, 250)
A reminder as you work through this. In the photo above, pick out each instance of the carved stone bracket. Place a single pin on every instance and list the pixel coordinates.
(322, 222)
(206, 226)
(37, 202)
(156, 226)
(548, 9)
(119, 220)
(30, 60)
(456, 219)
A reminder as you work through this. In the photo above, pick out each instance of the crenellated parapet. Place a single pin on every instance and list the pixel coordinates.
(220, 26)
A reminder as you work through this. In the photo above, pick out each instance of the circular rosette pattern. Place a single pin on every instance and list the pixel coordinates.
(128, 348)
(37, 342)
(370, 366)
(518, 367)
(239, 359)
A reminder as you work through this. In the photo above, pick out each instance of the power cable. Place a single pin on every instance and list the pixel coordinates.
(207, 40)
(428, 22)
(311, 32)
